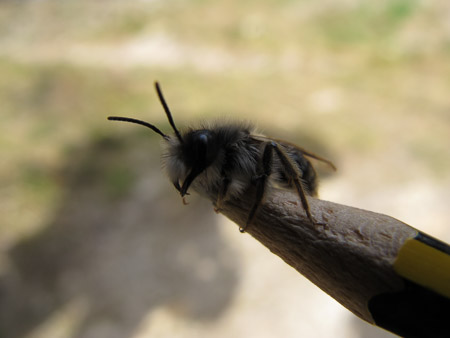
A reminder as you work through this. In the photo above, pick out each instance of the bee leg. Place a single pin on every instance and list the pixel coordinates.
(222, 194)
(294, 175)
(264, 171)
(223, 190)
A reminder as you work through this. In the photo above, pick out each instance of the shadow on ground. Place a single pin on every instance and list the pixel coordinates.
(122, 245)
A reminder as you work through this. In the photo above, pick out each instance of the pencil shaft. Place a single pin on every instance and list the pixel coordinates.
(349, 255)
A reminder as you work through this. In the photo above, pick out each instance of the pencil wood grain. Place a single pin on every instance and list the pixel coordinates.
(349, 254)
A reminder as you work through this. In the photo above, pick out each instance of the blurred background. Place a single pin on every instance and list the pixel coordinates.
(94, 240)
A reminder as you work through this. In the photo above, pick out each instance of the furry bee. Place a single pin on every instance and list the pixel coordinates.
(224, 160)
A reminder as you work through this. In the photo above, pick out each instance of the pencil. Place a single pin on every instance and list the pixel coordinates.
(383, 270)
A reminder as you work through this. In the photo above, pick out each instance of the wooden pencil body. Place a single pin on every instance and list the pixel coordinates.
(349, 254)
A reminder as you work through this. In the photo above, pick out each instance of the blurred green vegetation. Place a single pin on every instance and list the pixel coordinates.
(367, 22)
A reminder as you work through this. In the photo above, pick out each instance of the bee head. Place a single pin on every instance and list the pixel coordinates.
(198, 152)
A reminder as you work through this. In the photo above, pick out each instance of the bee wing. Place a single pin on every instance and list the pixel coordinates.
(303, 151)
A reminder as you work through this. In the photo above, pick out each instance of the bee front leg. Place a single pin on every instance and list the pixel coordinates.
(222, 194)
(264, 171)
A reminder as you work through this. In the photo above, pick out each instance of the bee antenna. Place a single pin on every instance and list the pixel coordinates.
(142, 123)
(167, 110)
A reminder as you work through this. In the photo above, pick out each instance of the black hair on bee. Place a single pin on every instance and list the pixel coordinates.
(222, 161)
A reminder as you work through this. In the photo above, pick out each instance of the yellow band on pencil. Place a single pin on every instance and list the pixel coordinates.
(425, 261)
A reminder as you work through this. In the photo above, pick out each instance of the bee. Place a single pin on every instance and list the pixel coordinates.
(223, 161)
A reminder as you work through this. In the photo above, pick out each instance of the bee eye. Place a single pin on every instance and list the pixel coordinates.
(200, 148)
(203, 138)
